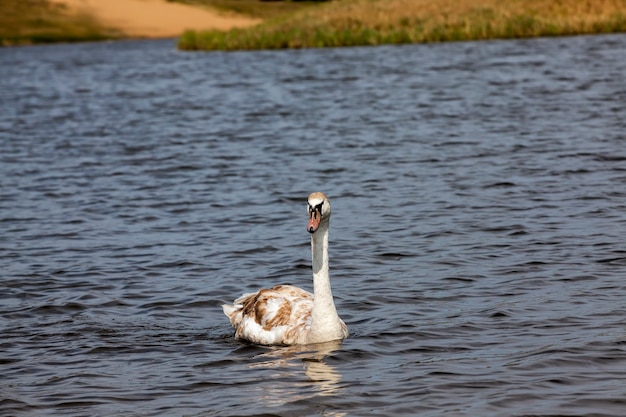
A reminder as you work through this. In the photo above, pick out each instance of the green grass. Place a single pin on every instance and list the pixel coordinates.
(375, 22)
(295, 24)
(24, 22)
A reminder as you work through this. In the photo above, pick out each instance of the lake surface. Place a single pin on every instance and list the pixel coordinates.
(476, 247)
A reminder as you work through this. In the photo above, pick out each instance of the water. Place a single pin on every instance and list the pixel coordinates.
(477, 239)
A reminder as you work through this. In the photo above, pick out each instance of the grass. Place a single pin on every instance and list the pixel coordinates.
(24, 22)
(375, 22)
(300, 24)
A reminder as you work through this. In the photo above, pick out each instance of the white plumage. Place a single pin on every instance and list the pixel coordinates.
(287, 315)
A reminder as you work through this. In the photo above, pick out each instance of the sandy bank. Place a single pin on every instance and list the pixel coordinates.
(155, 18)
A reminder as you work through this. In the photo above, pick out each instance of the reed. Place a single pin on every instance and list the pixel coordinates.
(39, 21)
(375, 22)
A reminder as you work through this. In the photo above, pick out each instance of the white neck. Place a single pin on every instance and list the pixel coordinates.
(325, 323)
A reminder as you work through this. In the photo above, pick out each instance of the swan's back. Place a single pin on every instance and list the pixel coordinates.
(277, 316)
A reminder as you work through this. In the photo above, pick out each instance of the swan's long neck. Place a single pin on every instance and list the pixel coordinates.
(325, 323)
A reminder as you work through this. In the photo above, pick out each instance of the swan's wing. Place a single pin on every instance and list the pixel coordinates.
(279, 315)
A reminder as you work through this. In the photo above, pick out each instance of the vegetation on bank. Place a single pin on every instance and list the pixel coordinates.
(40, 21)
(299, 24)
(375, 22)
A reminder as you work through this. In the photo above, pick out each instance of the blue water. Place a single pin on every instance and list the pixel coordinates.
(476, 247)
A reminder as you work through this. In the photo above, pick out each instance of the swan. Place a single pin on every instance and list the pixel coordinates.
(288, 315)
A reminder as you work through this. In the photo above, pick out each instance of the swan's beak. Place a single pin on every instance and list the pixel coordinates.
(314, 221)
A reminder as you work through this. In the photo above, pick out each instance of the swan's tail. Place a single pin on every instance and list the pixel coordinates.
(233, 312)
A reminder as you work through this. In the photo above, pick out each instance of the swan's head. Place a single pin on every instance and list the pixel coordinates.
(319, 211)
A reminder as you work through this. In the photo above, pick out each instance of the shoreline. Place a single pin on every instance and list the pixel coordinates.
(154, 18)
(204, 26)
(62, 21)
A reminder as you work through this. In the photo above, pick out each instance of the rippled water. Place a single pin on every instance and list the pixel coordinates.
(477, 239)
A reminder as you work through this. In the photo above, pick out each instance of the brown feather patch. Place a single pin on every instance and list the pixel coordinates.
(281, 317)
(257, 307)
(283, 309)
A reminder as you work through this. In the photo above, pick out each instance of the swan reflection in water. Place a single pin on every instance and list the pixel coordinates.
(302, 372)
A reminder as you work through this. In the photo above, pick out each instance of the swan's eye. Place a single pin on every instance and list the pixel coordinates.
(317, 208)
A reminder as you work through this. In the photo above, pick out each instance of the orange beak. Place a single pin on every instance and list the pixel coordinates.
(314, 221)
